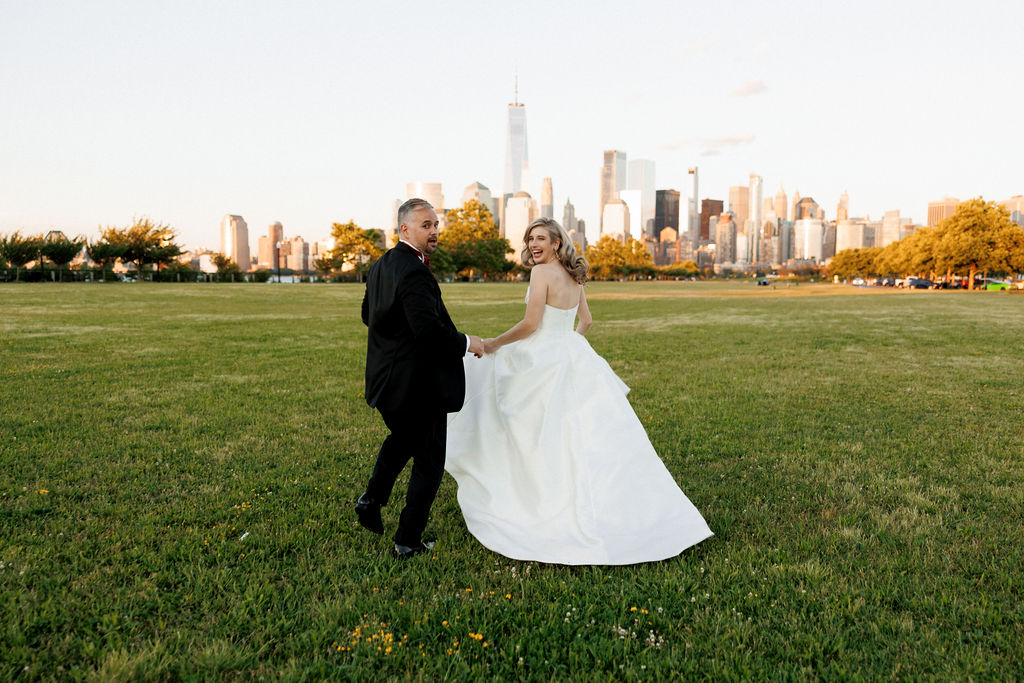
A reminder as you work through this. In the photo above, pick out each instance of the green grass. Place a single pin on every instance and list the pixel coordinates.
(857, 453)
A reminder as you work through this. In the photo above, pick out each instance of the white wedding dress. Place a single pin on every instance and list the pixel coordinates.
(552, 463)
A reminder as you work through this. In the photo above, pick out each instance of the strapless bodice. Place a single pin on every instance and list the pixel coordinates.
(556, 320)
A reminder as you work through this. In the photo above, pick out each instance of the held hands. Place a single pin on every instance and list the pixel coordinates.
(476, 346)
(491, 345)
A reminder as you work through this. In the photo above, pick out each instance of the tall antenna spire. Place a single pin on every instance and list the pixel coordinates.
(517, 86)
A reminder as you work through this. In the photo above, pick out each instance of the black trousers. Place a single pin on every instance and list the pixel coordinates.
(418, 434)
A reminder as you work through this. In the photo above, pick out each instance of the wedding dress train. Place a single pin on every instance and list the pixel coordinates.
(552, 463)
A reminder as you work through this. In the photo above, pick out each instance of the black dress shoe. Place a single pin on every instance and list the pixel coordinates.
(368, 513)
(404, 552)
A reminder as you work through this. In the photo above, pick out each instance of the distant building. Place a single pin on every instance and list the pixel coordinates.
(634, 200)
(666, 211)
(828, 240)
(940, 210)
(1015, 205)
(547, 201)
(267, 246)
(429, 191)
(519, 213)
(569, 216)
(482, 194)
(725, 238)
(805, 207)
(850, 234)
(781, 208)
(298, 255)
(517, 162)
(234, 241)
(615, 219)
(756, 219)
(890, 228)
(693, 210)
(709, 208)
(579, 235)
(809, 242)
(739, 204)
(613, 179)
(796, 201)
(843, 208)
(641, 179)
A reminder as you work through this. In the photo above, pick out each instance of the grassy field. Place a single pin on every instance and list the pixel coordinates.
(179, 465)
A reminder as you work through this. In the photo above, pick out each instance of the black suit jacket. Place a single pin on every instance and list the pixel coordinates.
(413, 351)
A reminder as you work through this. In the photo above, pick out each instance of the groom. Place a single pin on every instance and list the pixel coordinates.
(414, 375)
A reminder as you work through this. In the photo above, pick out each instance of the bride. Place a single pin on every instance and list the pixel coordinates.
(552, 463)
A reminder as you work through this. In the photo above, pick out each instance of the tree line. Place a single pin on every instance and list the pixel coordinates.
(143, 242)
(979, 238)
(471, 247)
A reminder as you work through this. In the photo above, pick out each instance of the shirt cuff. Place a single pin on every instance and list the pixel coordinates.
(467, 345)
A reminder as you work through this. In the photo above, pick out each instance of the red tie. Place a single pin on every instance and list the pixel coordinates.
(423, 257)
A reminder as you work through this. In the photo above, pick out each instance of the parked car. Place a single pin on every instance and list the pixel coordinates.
(762, 283)
(918, 283)
(996, 285)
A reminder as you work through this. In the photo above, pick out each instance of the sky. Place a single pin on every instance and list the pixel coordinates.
(311, 113)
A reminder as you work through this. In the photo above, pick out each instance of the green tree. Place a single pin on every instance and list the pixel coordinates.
(227, 269)
(61, 251)
(607, 257)
(978, 238)
(638, 259)
(356, 247)
(471, 243)
(144, 241)
(104, 254)
(323, 265)
(686, 268)
(850, 263)
(20, 250)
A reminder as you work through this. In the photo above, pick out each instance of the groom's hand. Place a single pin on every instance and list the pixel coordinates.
(476, 346)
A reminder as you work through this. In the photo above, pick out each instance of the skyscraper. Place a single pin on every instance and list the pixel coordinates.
(944, 208)
(756, 220)
(890, 228)
(739, 205)
(781, 208)
(569, 216)
(666, 211)
(708, 209)
(547, 201)
(517, 163)
(234, 241)
(519, 212)
(613, 178)
(634, 200)
(843, 208)
(796, 200)
(615, 218)
(725, 239)
(809, 239)
(641, 179)
(267, 253)
(693, 210)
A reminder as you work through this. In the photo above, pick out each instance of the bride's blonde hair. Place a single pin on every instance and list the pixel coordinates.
(566, 253)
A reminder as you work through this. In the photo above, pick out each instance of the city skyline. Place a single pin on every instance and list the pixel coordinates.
(113, 111)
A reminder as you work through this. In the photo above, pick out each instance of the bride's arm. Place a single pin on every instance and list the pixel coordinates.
(584, 314)
(531, 319)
